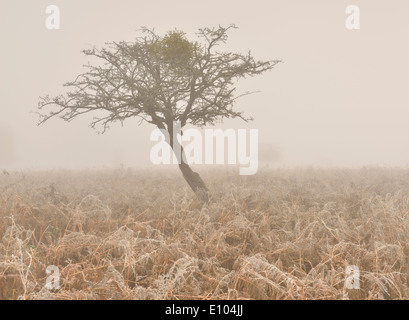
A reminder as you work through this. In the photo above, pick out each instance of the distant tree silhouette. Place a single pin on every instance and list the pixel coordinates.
(268, 154)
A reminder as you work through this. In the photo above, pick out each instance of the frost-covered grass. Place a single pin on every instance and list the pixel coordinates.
(281, 234)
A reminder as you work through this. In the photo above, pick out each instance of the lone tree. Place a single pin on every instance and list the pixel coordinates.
(159, 80)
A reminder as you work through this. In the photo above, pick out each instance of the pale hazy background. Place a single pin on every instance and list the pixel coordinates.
(341, 97)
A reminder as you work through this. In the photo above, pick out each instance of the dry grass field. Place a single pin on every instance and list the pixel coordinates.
(281, 234)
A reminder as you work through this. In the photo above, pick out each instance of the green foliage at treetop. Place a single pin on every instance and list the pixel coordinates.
(174, 49)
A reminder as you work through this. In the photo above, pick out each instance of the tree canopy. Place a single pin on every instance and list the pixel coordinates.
(159, 79)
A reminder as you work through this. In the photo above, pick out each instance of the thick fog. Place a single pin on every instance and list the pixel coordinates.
(340, 98)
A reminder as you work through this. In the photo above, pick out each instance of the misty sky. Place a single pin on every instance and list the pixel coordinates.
(340, 98)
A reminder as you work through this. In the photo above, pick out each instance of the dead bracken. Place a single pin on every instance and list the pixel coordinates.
(281, 234)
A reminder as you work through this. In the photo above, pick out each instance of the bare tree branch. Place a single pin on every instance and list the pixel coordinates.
(158, 80)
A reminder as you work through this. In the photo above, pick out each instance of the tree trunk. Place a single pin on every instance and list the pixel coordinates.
(192, 178)
(195, 182)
